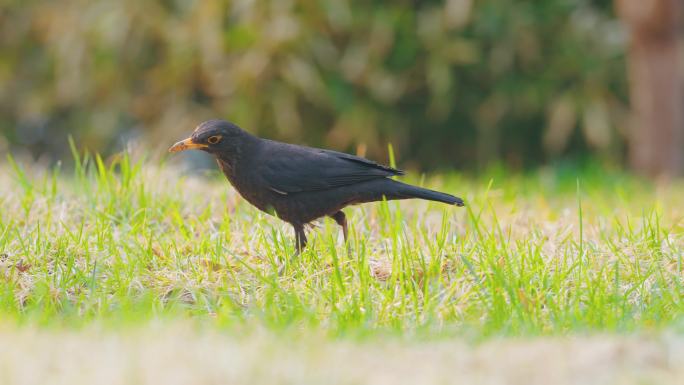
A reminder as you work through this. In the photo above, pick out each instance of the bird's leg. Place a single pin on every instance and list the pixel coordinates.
(300, 238)
(341, 220)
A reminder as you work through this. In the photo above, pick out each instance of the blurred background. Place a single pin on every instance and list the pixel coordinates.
(451, 84)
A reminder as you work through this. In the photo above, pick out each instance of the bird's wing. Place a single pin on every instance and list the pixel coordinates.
(290, 169)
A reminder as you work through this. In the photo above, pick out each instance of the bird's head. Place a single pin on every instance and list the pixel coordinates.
(215, 137)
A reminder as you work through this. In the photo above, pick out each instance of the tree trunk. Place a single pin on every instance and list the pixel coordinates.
(656, 145)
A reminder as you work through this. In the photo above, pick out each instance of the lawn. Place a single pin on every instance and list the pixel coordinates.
(566, 260)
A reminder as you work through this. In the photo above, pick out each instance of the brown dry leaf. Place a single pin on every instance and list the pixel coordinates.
(22, 266)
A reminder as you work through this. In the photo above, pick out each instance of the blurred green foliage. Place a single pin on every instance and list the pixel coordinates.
(456, 83)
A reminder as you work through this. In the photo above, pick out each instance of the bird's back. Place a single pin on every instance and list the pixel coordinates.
(288, 168)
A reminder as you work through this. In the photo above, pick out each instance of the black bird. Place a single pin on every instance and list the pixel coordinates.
(300, 184)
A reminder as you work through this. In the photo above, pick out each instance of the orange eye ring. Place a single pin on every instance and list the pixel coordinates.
(214, 139)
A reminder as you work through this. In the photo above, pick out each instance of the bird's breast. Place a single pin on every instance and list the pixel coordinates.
(248, 186)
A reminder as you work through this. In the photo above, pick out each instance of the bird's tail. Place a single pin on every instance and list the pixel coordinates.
(407, 191)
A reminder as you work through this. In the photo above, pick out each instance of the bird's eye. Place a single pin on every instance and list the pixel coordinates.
(214, 139)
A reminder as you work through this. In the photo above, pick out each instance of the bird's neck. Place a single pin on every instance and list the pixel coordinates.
(230, 160)
(227, 168)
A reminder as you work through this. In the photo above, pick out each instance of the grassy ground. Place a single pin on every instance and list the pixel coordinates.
(120, 245)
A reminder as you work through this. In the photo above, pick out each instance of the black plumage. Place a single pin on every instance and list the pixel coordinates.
(300, 184)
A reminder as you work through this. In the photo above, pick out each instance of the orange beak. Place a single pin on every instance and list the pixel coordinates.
(187, 144)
